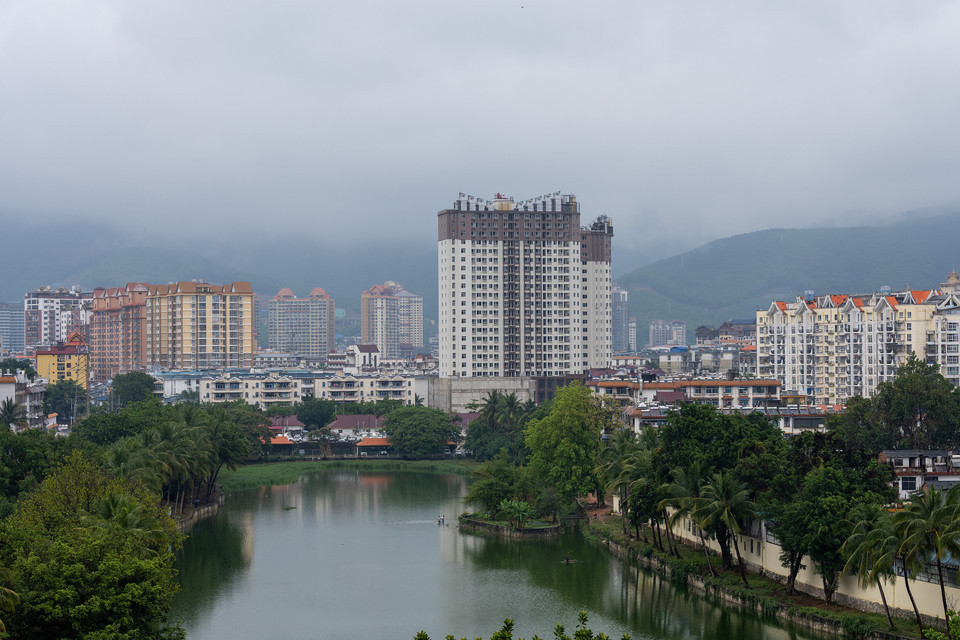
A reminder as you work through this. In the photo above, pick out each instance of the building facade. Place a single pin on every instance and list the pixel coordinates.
(65, 361)
(667, 334)
(53, 315)
(620, 319)
(117, 332)
(379, 319)
(302, 325)
(409, 316)
(834, 347)
(524, 290)
(11, 327)
(196, 325)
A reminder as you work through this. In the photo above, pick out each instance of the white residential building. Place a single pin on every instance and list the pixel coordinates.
(524, 290)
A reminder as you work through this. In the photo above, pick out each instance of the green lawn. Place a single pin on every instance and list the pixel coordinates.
(270, 473)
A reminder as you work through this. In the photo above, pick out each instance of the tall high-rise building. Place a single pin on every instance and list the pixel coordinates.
(53, 315)
(664, 333)
(118, 334)
(302, 325)
(409, 316)
(11, 327)
(196, 325)
(380, 319)
(632, 335)
(620, 316)
(524, 289)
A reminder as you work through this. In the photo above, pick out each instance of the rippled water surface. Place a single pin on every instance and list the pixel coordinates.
(349, 554)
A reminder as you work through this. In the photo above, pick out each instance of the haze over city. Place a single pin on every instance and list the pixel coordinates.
(682, 122)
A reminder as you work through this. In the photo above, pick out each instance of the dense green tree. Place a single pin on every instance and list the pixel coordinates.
(419, 430)
(493, 482)
(27, 458)
(827, 497)
(104, 428)
(920, 407)
(81, 581)
(135, 386)
(65, 398)
(12, 414)
(720, 441)
(317, 413)
(564, 445)
(13, 364)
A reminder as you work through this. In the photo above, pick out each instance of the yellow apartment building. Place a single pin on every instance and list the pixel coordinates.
(65, 361)
(197, 325)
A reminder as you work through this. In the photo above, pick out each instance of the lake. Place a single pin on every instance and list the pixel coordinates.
(352, 554)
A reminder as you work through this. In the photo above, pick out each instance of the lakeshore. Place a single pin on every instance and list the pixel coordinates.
(765, 597)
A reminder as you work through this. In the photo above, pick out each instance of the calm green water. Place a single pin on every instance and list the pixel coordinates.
(361, 556)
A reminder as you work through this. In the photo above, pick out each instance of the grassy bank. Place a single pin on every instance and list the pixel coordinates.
(271, 473)
(763, 593)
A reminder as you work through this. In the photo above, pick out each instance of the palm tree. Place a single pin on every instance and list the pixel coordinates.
(490, 409)
(9, 598)
(725, 503)
(928, 527)
(684, 496)
(867, 550)
(12, 413)
(612, 460)
(516, 512)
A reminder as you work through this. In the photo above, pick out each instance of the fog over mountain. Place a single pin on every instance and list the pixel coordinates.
(338, 123)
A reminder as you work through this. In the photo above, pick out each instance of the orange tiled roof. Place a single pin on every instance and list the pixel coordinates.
(858, 302)
(280, 440)
(892, 301)
(749, 347)
(838, 299)
(920, 296)
(781, 305)
(374, 442)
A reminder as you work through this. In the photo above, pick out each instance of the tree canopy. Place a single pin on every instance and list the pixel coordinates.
(86, 568)
(135, 386)
(564, 444)
(419, 430)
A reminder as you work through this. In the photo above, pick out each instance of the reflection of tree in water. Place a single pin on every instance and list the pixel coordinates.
(638, 597)
(217, 555)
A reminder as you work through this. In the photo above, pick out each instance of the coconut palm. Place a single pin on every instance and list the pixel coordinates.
(612, 460)
(868, 549)
(725, 503)
(684, 496)
(12, 413)
(928, 528)
(9, 599)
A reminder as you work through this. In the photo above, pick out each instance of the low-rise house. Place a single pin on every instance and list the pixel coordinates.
(915, 468)
(357, 426)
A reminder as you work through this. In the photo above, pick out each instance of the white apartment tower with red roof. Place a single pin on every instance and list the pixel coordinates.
(833, 347)
(525, 291)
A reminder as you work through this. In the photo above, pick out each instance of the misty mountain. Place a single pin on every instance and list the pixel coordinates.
(732, 277)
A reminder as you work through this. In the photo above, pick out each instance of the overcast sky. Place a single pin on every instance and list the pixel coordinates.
(675, 118)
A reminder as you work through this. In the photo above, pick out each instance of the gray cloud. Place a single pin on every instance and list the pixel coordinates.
(696, 119)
